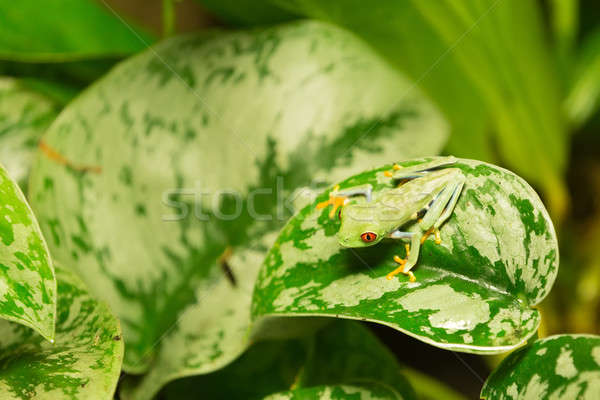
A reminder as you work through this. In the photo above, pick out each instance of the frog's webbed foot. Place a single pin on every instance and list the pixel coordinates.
(402, 268)
(339, 198)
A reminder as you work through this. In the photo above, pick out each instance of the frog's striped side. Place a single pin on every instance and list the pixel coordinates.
(27, 283)
(473, 293)
(84, 362)
(246, 117)
(557, 367)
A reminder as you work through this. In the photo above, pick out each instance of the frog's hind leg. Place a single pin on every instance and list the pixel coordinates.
(420, 170)
(441, 209)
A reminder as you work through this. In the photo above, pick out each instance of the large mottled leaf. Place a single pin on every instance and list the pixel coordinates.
(341, 353)
(557, 367)
(27, 283)
(493, 52)
(474, 291)
(184, 151)
(86, 29)
(84, 362)
(24, 116)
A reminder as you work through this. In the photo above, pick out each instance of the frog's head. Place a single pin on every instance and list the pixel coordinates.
(360, 227)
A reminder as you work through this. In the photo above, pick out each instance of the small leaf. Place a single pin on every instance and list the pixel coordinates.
(84, 362)
(557, 367)
(474, 291)
(29, 33)
(341, 353)
(24, 116)
(366, 391)
(119, 186)
(27, 283)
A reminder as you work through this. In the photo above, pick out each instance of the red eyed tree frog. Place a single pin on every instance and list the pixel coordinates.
(430, 190)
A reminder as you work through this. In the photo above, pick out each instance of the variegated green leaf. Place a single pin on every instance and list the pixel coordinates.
(474, 291)
(24, 116)
(557, 367)
(27, 283)
(157, 158)
(84, 362)
(341, 353)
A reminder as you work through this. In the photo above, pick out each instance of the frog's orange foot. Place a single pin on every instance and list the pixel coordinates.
(389, 174)
(334, 200)
(436, 232)
(400, 269)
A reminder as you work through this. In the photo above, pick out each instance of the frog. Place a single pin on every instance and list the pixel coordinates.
(425, 196)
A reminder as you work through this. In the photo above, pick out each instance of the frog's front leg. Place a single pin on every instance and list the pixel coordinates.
(412, 254)
(339, 198)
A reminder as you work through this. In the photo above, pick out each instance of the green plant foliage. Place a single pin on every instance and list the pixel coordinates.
(84, 362)
(391, 28)
(584, 95)
(366, 391)
(557, 367)
(24, 116)
(495, 54)
(260, 113)
(30, 33)
(474, 291)
(341, 353)
(27, 283)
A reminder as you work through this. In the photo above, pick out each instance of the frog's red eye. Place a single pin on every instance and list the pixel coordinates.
(368, 237)
(340, 214)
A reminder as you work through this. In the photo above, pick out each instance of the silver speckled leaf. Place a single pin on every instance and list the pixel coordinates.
(84, 362)
(474, 291)
(553, 368)
(27, 283)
